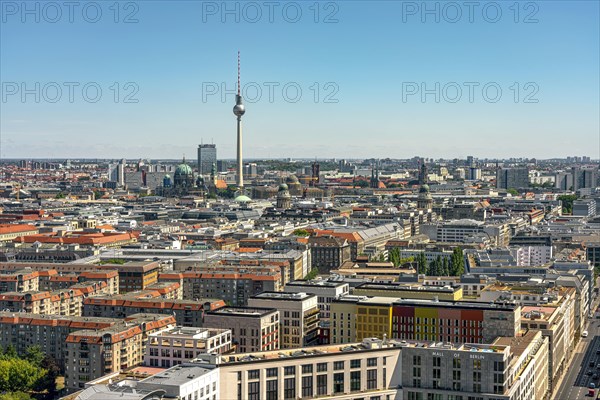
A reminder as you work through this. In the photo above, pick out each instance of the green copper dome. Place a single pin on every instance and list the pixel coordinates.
(183, 169)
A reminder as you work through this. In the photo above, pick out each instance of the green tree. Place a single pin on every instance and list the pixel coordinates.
(312, 274)
(361, 183)
(512, 191)
(394, 256)
(10, 352)
(457, 266)
(567, 202)
(446, 266)
(422, 264)
(17, 375)
(61, 195)
(15, 396)
(301, 232)
(34, 355)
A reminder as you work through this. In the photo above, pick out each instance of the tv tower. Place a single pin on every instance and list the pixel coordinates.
(239, 110)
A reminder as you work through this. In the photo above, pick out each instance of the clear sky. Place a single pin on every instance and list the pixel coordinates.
(370, 60)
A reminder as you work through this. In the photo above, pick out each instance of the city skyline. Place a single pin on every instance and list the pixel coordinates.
(365, 83)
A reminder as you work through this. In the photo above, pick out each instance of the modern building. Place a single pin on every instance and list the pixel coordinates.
(177, 345)
(367, 370)
(511, 368)
(186, 312)
(252, 328)
(299, 316)
(356, 317)
(326, 290)
(584, 208)
(207, 156)
(512, 178)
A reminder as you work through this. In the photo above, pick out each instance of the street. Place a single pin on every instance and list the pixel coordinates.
(580, 372)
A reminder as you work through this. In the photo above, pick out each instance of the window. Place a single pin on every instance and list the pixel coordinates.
(289, 388)
(253, 374)
(456, 363)
(354, 381)
(372, 362)
(371, 379)
(321, 367)
(355, 363)
(338, 365)
(307, 369)
(253, 390)
(307, 386)
(271, 372)
(321, 385)
(338, 382)
(290, 370)
(272, 389)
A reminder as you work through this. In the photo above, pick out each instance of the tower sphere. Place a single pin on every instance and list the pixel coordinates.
(239, 109)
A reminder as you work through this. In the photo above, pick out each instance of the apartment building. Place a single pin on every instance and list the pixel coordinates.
(50, 332)
(24, 280)
(468, 231)
(92, 353)
(178, 345)
(234, 284)
(134, 275)
(186, 312)
(511, 368)
(368, 370)
(299, 316)
(252, 328)
(58, 302)
(328, 252)
(9, 232)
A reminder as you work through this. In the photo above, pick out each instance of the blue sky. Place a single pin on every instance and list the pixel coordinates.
(370, 61)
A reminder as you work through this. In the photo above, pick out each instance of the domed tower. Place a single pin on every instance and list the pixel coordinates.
(284, 200)
(167, 182)
(294, 185)
(424, 201)
(184, 176)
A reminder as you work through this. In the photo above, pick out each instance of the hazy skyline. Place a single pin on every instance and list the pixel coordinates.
(174, 57)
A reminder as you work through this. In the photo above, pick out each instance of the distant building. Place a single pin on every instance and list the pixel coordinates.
(207, 156)
(584, 208)
(512, 178)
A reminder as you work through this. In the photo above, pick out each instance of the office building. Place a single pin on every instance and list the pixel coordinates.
(177, 345)
(299, 316)
(207, 156)
(512, 178)
(252, 328)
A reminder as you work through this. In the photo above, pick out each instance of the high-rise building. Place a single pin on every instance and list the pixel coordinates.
(207, 156)
(584, 178)
(512, 178)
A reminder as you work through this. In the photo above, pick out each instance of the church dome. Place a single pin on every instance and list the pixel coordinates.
(242, 199)
(424, 188)
(292, 179)
(183, 169)
(283, 187)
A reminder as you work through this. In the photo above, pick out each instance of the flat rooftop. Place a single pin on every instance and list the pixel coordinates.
(179, 374)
